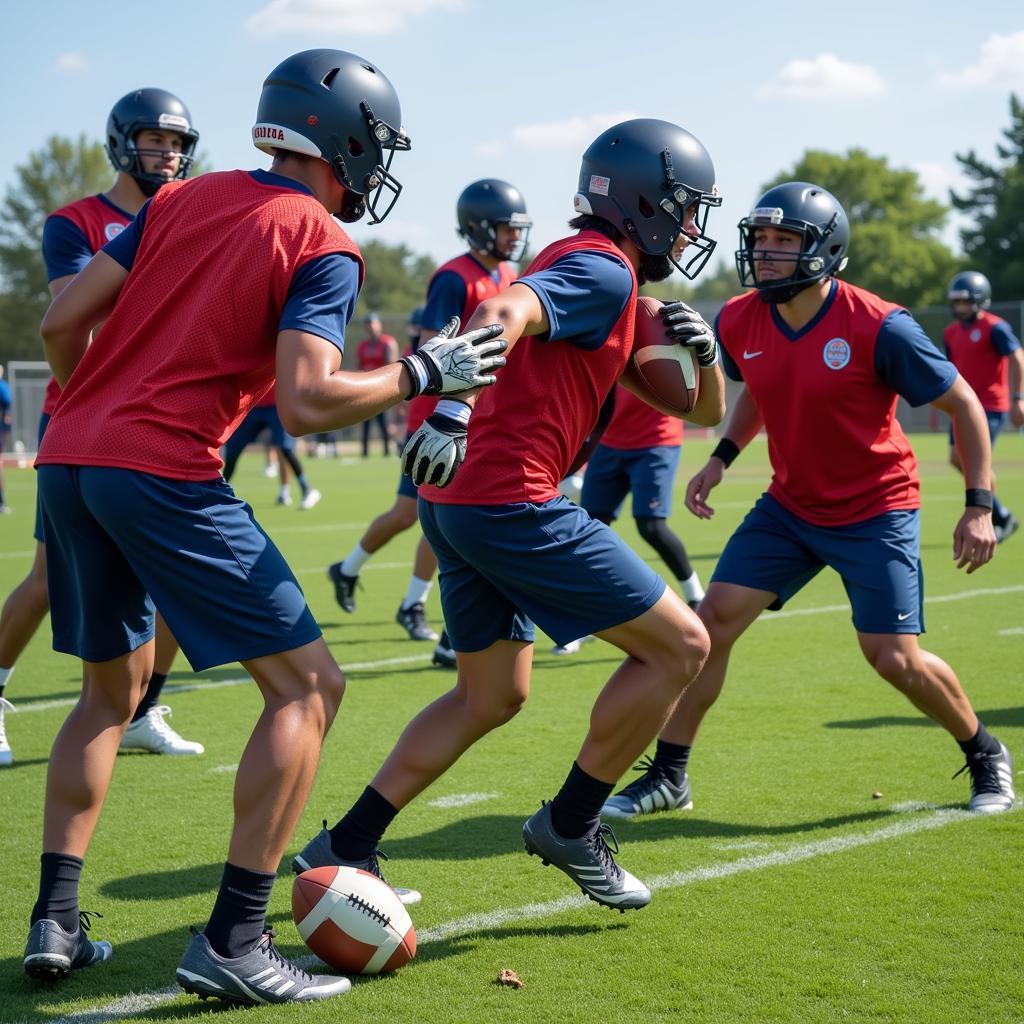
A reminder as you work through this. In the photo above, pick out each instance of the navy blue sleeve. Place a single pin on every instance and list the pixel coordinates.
(124, 246)
(446, 297)
(729, 365)
(65, 248)
(907, 360)
(583, 294)
(5, 396)
(1003, 338)
(322, 298)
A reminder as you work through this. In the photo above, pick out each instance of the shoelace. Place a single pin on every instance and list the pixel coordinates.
(604, 843)
(984, 774)
(158, 715)
(267, 941)
(85, 918)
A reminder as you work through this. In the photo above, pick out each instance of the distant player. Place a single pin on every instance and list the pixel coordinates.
(5, 433)
(512, 549)
(493, 221)
(373, 352)
(262, 281)
(823, 364)
(983, 347)
(150, 140)
(264, 417)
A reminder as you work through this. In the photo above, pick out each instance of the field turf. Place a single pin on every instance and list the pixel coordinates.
(789, 894)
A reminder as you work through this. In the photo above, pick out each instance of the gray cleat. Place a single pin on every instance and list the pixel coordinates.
(649, 794)
(318, 853)
(587, 861)
(991, 782)
(260, 976)
(51, 952)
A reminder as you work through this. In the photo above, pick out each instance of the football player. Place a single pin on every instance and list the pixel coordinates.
(513, 551)
(150, 140)
(372, 353)
(493, 221)
(983, 347)
(262, 280)
(822, 365)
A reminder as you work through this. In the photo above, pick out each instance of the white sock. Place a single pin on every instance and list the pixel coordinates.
(692, 590)
(417, 592)
(284, 491)
(5, 674)
(355, 561)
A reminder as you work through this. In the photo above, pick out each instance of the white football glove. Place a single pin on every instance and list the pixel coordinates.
(451, 362)
(688, 328)
(434, 453)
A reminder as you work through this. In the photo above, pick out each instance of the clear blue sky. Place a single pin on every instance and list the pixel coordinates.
(519, 95)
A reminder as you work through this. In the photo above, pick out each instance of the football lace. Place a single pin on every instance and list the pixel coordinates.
(367, 908)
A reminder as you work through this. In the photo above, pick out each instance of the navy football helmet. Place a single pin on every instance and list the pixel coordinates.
(482, 207)
(154, 109)
(811, 212)
(642, 176)
(973, 286)
(343, 109)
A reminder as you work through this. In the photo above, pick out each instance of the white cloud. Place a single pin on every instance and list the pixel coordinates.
(71, 63)
(572, 133)
(938, 178)
(1000, 65)
(823, 77)
(364, 17)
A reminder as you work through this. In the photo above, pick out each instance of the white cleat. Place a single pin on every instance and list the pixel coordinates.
(572, 647)
(310, 499)
(6, 757)
(152, 733)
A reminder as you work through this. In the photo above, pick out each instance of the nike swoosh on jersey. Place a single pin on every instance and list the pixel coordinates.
(752, 355)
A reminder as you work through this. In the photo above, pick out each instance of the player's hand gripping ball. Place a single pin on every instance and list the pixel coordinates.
(664, 366)
(352, 920)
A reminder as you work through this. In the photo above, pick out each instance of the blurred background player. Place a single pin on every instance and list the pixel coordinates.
(845, 491)
(373, 352)
(265, 417)
(5, 431)
(493, 221)
(512, 549)
(150, 141)
(983, 347)
(272, 282)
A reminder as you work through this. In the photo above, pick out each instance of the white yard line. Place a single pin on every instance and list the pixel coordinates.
(461, 799)
(135, 1003)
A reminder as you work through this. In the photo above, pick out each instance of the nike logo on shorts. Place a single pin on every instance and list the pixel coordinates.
(905, 615)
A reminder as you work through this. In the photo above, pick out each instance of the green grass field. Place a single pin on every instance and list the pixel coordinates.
(788, 894)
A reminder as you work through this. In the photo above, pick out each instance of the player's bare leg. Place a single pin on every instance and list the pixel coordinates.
(24, 611)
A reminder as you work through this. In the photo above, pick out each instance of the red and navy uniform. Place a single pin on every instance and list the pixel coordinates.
(263, 416)
(372, 353)
(979, 349)
(511, 549)
(72, 235)
(135, 511)
(635, 424)
(845, 491)
(827, 395)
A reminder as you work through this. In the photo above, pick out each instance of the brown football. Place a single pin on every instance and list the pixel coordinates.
(664, 374)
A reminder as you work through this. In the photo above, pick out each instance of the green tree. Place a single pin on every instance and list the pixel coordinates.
(895, 249)
(994, 243)
(396, 279)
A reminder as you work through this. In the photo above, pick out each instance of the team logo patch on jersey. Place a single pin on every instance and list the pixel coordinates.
(836, 353)
(112, 231)
(975, 335)
(599, 185)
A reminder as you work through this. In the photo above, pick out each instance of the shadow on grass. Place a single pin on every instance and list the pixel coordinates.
(995, 718)
(466, 942)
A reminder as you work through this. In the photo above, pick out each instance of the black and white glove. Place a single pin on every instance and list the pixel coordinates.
(451, 362)
(434, 453)
(687, 327)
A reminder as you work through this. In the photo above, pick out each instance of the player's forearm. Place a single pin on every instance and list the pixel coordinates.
(710, 405)
(1016, 375)
(970, 433)
(341, 399)
(744, 422)
(64, 347)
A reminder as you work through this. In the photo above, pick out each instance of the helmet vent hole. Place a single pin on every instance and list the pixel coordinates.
(355, 147)
(328, 80)
(646, 210)
(370, 68)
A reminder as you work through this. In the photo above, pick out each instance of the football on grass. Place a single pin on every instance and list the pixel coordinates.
(664, 374)
(352, 920)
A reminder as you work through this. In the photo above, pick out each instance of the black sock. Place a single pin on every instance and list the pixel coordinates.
(576, 808)
(3, 686)
(667, 544)
(151, 696)
(240, 914)
(58, 890)
(982, 742)
(356, 836)
(671, 759)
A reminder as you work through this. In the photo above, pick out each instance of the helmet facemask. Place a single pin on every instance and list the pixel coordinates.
(127, 156)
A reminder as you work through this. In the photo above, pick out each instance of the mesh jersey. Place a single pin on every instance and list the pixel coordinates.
(480, 286)
(98, 221)
(635, 425)
(971, 350)
(191, 342)
(527, 428)
(837, 451)
(373, 354)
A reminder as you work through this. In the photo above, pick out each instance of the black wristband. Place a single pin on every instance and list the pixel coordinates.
(978, 497)
(727, 451)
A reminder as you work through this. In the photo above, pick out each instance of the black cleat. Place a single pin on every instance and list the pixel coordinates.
(344, 587)
(414, 621)
(444, 656)
(51, 952)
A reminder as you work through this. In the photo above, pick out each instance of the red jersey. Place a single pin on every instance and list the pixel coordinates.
(190, 345)
(480, 286)
(527, 428)
(269, 399)
(972, 350)
(837, 451)
(635, 425)
(373, 353)
(99, 221)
